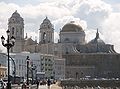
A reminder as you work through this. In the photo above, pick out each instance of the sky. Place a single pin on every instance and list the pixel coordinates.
(90, 14)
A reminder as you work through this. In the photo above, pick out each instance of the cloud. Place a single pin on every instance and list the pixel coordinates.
(59, 23)
(116, 7)
(3, 32)
(51, 9)
(111, 30)
(94, 12)
(56, 37)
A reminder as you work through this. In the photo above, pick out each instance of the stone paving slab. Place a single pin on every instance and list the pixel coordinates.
(55, 86)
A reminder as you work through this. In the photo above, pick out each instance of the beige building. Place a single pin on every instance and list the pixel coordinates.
(95, 58)
(53, 66)
(47, 65)
(3, 71)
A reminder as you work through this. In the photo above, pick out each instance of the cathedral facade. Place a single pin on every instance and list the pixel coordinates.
(95, 58)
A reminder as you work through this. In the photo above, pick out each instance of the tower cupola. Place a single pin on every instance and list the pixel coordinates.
(16, 27)
(46, 32)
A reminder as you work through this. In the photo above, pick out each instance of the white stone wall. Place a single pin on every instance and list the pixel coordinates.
(21, 64)
(72, 37)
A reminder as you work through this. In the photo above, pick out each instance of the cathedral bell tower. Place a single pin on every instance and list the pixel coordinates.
(16, 27)
(46, 34)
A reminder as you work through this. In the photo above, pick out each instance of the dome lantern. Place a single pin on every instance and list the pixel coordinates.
(97, 40)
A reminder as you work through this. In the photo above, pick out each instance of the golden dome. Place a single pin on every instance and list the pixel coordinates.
(71, 27)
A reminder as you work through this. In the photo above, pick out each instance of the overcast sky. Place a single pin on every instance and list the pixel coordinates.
(90, 14)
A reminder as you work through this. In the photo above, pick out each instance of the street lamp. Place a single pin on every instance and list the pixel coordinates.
(8, 45)
(27, 59)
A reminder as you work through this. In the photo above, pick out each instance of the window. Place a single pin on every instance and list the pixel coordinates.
(13, 30)
(49, 60)
(21, 32)
(66, 50)
(67, 40)
(13, 20)
(48, 27)
(44, 36)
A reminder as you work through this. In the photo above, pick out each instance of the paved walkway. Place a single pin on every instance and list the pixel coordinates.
(55, 86)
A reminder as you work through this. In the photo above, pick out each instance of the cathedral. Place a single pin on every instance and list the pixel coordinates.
(94, 59)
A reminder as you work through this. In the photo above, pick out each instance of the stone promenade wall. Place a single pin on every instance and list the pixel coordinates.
(90, 83)
(20, 86)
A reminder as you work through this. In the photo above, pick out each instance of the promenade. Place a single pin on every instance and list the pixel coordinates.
(55, 86)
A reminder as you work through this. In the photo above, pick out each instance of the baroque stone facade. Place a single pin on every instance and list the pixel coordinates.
(98, 65)
(95, 58)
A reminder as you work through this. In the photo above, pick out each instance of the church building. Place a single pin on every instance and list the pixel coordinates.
(95, 58)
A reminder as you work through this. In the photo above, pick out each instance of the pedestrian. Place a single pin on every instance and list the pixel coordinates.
(2, 85)
(48, 83)
(24, 86)
(37, 84)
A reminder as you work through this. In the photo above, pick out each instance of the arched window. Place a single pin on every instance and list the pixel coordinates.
(13, 30)
(21, 31)
(13, 20)
(44, 35)
(66, 40)
(67, 51)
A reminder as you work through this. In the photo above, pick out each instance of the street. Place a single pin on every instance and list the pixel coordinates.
(52, 86)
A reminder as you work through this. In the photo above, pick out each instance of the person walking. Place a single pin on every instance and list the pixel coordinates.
(38, 84)
(48, 83)
(24, 86)
(2, 85)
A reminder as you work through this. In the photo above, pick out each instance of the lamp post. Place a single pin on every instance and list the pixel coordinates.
(27, 59)
(32, 68)
(8, 45)
(14, 72)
